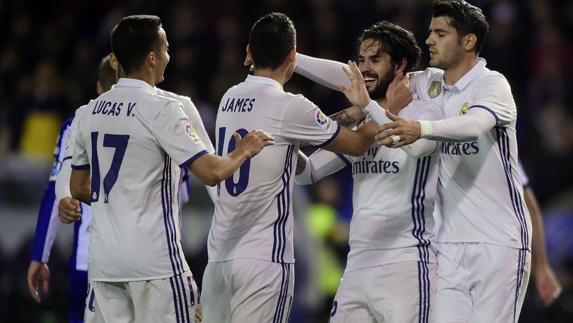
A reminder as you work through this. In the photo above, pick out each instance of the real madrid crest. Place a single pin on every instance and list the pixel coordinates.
(435, 89)
(464, 108)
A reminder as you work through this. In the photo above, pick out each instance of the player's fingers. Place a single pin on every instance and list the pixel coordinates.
(33, 290)
(348, 71)
(46, 286)
(391, 116)
(389, 125)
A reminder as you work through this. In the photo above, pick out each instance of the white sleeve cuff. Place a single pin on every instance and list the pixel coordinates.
(376, 112)
(426, 128)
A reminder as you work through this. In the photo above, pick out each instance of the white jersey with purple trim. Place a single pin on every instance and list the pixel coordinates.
(522, 174)
(195, 119)
(479, 192)
(253, 216)
(135, 142)
(393, 201)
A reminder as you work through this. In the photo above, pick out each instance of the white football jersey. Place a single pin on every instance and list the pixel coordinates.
(134, 142)
(253, 216)
(393, 201)
(480, 196)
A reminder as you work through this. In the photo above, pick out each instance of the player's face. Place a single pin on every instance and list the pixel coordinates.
(443, 43)
(162, 55)
(376, 67)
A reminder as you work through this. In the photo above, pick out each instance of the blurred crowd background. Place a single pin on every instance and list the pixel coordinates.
(50, 50)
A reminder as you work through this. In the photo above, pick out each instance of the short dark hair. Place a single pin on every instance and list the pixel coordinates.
(133, 38)
(465, 18)
(394, 40)
(271, 38)
(106, 75)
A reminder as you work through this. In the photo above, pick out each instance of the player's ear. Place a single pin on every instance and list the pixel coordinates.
(151, 59)
(248, 56)
(469, 41)
(292, 54)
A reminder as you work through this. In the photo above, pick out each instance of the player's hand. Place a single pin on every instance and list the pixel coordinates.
(69, 210)
(38, 276)
(253, 143)
(547, 285)
(357, 94)
(398, 94)
(399, 132)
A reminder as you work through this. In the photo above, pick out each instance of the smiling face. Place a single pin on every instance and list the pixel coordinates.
(162, 56)
(376, 67)
(444, 44)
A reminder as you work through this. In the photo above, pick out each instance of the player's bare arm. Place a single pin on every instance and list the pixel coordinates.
(211, 169)
(80, 185)
(349, 117)
(547, 284)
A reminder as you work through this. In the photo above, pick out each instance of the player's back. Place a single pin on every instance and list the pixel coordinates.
(253, 216)
(135, 183)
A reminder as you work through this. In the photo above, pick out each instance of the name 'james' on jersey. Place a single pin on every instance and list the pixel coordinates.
(253, 216)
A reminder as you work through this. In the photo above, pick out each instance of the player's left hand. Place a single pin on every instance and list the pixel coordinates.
(253, 143)
(399, 132)
(547, 285)
(69, 210)
(358, 94)
(38, 276)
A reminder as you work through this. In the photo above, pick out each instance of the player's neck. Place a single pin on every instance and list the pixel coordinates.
(461, 68)
(143, 76)
(278, 74)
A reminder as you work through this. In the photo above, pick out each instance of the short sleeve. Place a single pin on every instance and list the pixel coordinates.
(80, 158)
(175, 134)
(493, 94)
(303, 121)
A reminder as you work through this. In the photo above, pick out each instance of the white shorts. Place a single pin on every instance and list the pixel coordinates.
(247, 290)
(173, 299)
(402, 292)
(479, 282)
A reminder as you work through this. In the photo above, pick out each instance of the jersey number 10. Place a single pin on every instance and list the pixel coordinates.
(234, 189)
(119, 142)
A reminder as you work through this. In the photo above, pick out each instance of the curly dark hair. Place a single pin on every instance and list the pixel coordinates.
(395, 41)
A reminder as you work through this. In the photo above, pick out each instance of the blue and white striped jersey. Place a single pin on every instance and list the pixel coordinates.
(253, 213)
(48, 221)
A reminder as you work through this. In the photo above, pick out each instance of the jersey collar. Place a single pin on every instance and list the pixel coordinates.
(462, 83)
(263, 80)
(128, 82)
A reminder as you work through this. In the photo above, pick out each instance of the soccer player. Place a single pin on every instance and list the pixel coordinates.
(484, 241)
(48, 224)
(128, 148)
(250, 274)
(391, 266)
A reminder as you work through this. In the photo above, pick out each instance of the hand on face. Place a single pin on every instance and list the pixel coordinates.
(398, 94)
(357, 94)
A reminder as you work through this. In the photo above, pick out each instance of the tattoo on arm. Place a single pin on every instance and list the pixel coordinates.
(345, 119)
(300, 164)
